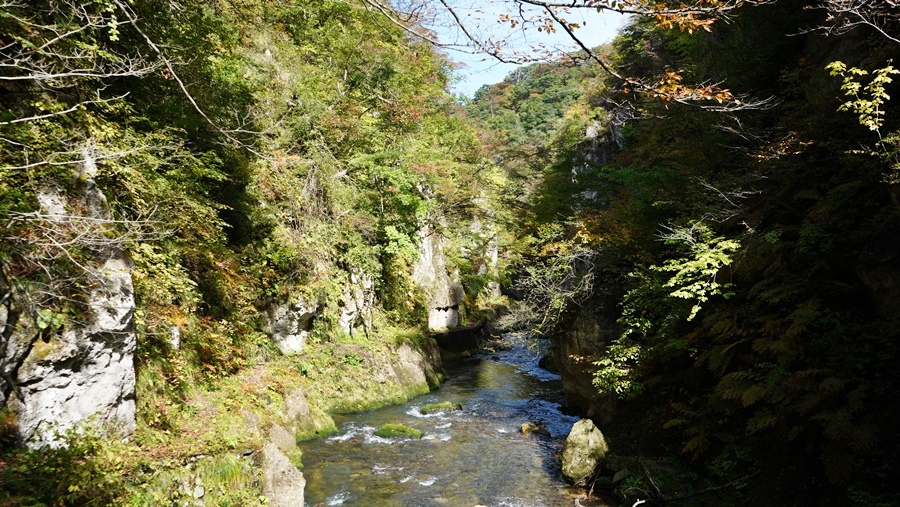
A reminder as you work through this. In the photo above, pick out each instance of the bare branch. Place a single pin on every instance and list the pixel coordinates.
(846, 15)
(67, 111)
(48, 54)
(549, 16)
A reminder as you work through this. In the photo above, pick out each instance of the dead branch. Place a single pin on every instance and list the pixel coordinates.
(845, 15)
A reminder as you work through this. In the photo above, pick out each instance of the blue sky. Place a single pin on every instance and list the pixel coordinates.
(477, 70)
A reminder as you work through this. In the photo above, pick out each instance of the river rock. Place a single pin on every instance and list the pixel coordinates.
(530, 428)
(585, 447)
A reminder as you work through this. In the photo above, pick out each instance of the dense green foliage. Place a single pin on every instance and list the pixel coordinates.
(746, 256)
(254, 154)
(251, 154)
(267, 153)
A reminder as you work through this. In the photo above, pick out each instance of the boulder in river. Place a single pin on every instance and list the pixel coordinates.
(445, 406)
(530, 428)
(397, 430)
(585, 447)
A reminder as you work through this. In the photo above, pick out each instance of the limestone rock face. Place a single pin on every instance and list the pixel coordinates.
(584, 448)
(86, 372)
(414, 368)
(357, 303)
(283, 484)
(289, 325)
(444, 291)
(82, 372)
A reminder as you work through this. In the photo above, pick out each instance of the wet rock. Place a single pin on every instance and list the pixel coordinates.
(397, 430)
(530, 428)
(546, 362)
(446, 406)
(496, 343)
(584, 449)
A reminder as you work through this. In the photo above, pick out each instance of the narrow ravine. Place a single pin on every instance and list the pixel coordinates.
(475, 456)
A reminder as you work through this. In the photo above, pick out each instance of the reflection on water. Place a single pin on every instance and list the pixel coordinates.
(477, 456)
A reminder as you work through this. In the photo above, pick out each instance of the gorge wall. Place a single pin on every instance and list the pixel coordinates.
(59, 372)
(443, 291)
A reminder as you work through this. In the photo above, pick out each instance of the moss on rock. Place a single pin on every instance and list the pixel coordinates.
(397, 430)
(445, 406)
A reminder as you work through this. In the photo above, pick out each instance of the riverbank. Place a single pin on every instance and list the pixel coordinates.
(473, 451)
(230, 441)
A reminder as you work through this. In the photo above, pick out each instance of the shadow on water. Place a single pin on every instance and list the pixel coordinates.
(475, 456)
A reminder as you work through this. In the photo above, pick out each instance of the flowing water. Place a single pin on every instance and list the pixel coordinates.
(476, 456)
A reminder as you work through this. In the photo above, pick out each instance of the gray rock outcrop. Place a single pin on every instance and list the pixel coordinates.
(357, 303)
(573, 352)
(282, 483)
(417, 369)
(584, 449)
(443, 290)
(58, 377)
(289, 325)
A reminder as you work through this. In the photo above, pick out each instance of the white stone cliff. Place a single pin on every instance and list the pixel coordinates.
(58, 379)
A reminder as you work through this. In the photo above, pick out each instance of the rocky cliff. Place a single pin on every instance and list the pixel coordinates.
(574, 350)
(61, 371)
(443, 290)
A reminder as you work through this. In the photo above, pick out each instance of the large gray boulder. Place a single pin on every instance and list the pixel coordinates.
(584, 449)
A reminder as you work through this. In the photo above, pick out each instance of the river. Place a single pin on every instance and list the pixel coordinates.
(474, 456)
